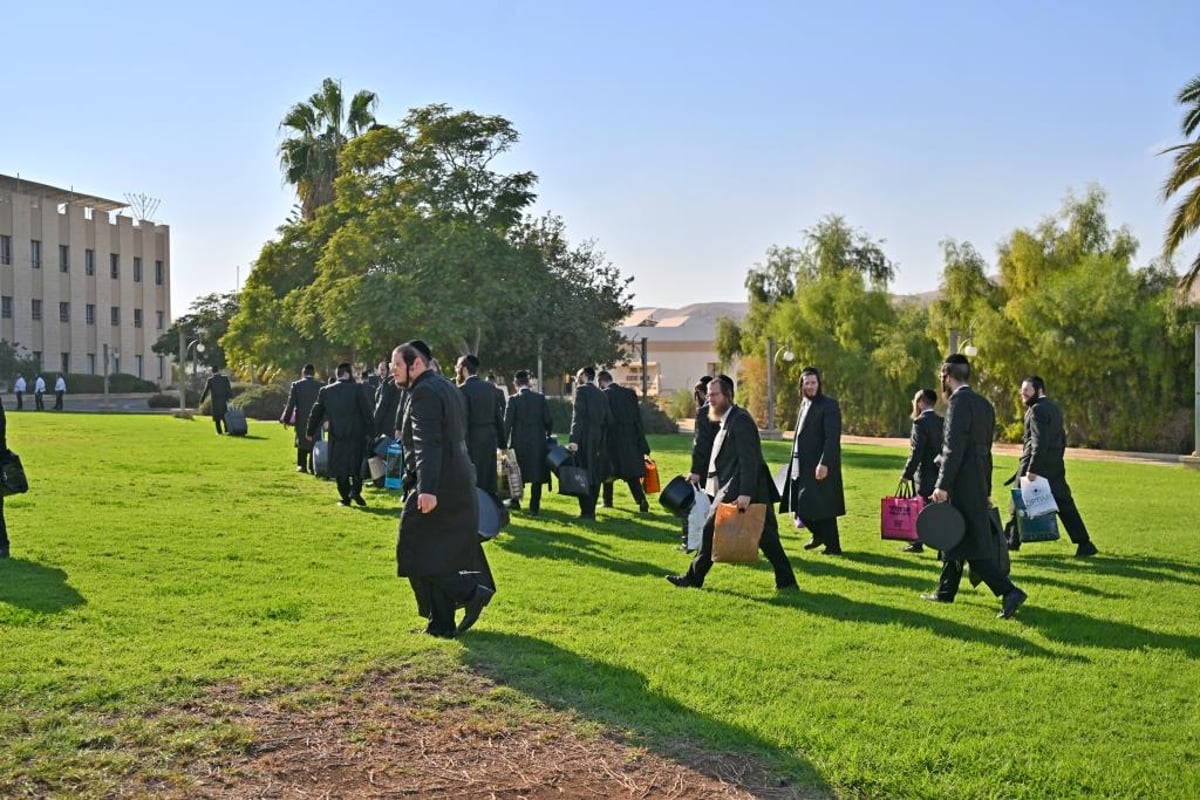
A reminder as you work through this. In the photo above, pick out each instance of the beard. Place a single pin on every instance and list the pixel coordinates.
(714, 415)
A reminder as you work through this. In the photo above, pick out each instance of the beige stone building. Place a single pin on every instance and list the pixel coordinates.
(680, 346)
(79, 281)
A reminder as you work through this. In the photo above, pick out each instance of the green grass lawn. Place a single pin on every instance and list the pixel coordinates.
(153, 561)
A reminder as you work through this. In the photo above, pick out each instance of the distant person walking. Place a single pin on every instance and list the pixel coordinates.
(3, 449)
(345, 405)
(1045, 441)
(925, 446)
(19, 390)
(527, 426)
(813, 488)
(301, 397)
(39, 391)
(60, 391)
(221, 390)
(627, 445)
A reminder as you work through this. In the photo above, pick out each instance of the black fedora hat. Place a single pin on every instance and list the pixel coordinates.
(941, 526)
(557, 456)
(677, 496)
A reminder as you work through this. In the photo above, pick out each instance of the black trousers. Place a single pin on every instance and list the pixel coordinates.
(587, 505)
(769, 544)
(439, 595)
(635, 488)
(535, 498)
(37, 398)
(20, 401)
(1068, 512)
(985, 568)
(3, 526)
(58, 401)
(219, 422)
(304, 459)
(826, 532)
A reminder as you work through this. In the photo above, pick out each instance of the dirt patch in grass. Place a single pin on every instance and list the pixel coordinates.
(392, 735)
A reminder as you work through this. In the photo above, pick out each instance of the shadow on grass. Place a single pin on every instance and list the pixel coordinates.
(1081, 630)
(566, 546)
(35, 587)
(620, 699)
(1142, 569)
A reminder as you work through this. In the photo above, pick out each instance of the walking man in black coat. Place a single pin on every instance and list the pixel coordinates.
(485, 421)
(813, 490)
(738, 474)
(590, 420)
(925, 447)
(301, 396)
(1045, 441)
(527, 425)
(627, 445)
(345, 405)
(437, 547)
(965, 481)
(221, 390)
(3, 449)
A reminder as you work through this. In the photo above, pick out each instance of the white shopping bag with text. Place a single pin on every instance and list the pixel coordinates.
(1038, 499)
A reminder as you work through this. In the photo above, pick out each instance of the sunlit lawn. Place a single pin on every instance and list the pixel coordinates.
(153, 560)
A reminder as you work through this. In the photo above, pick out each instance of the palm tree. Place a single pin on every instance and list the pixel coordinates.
(320, 129)
(1185, 219)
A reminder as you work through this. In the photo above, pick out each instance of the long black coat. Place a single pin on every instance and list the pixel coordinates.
(219, 387)
(433, 431)
(1044, 440)
(704, 431)
(926, 446)
(345, 405)
(627, 445)
(301, 397)
(589, 431)
(817, 441)
(739, 462)
(527, 424)
(485, 428)
(387, 407)
(966, 472)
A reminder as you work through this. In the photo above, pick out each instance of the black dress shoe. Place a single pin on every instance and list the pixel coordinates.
(644, 507)
(358, 498)
(301, 469)
(789, 588)
(344, 502)
(812, 544)
(937, 598)
(834, 552)
(1012, 601)
(439, 633)
(1086, 550)
(3, 551)
(683, 548)
(483, 596)
(915, 547)
(682, 581)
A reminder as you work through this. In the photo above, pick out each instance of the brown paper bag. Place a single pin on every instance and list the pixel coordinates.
(736, 533)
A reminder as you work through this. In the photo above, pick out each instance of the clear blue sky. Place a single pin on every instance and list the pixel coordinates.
(685, 138)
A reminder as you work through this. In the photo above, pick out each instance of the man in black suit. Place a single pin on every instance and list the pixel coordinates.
(812, 490)
(485, 421)
(349, 414)
(1045, 441)
(387, 405)
(965, 481)
(925, 447)
(301, 396)
(737, 474)
(3, 449)
(590, 420)
(437, 547)
(221, 390)
(527, 425)
(627, 445)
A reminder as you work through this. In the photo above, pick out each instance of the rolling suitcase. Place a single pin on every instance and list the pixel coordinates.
(235, 422)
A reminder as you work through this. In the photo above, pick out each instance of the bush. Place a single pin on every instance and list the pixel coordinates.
(682, 404)
(161, 400)
(262, 402)
(655, 420)
(120, 383)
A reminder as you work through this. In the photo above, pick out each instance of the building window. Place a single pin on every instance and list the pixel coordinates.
(89, 262)
(6, 250)
(161, 373)
(137, 269)
(158, 273)
(90, 314)
(6, 306)
(91, 363)
(137, 318)
(158, 323)
(35, 253)
(37, 360)
(114, 265)
(137, 361)
(116, 315)
(66, 363)
(116, 364)
(64, 312)
(64, 258)
(36, 309)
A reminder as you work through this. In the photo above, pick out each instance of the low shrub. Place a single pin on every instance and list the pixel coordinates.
(262, 402)
(655, 420)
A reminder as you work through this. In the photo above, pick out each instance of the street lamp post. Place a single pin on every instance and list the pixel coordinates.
(195, 347)
(772, 356)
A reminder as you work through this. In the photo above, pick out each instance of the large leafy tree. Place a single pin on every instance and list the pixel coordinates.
(1184, 180)
(317, 131)
(208, 320)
